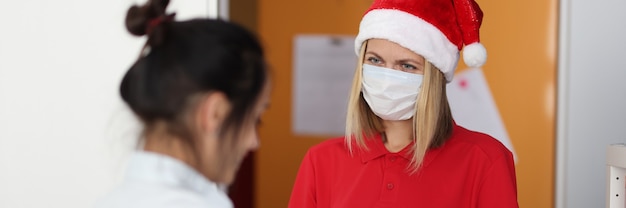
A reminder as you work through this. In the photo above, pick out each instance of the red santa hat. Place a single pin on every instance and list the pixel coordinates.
(434, 29)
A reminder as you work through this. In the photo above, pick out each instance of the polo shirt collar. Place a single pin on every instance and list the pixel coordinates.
(376, 148)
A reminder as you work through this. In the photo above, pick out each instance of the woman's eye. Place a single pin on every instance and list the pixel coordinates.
(374, 60)
(408, 67)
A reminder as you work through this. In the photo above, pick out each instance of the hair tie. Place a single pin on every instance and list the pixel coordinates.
(155, 22)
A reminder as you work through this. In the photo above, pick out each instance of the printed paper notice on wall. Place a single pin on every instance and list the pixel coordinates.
(323, 67)
(473, 106)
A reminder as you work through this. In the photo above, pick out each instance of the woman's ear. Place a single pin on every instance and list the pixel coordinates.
(212, 110)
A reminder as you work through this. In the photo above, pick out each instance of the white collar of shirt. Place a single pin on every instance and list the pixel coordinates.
(162, 169)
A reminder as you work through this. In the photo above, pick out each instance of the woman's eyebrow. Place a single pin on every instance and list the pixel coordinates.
(409, 60)
(372, 53)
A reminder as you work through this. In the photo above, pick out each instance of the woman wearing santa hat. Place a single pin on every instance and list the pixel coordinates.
(402, 147)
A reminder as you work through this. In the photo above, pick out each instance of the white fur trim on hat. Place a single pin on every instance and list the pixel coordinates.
(412, 33)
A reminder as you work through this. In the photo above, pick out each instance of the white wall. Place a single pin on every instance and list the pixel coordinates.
(64, 132)
(592, 97)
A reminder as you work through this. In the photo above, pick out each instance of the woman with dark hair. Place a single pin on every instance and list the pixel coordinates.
(199, 89)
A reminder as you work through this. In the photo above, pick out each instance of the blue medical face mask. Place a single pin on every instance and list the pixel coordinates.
(391, 94)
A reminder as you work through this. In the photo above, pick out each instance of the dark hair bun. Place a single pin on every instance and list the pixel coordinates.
(138, 18)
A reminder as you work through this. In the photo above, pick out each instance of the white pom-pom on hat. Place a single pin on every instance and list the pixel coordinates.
(474, 55)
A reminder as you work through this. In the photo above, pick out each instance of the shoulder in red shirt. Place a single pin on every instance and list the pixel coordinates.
(470, 170)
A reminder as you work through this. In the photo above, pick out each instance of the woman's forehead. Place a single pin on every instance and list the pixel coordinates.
(384, 47)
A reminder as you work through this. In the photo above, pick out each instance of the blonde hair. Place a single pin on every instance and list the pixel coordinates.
(432, 121)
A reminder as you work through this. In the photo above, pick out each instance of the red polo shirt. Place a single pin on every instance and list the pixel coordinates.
(470, 170)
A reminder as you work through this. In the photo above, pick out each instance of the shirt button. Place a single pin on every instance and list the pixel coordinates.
(392, 158)
(390, 186)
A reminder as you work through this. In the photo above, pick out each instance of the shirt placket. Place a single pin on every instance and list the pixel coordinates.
(390, 183)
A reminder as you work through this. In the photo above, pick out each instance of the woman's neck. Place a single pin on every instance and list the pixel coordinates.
(158, 141)
(398, 134)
